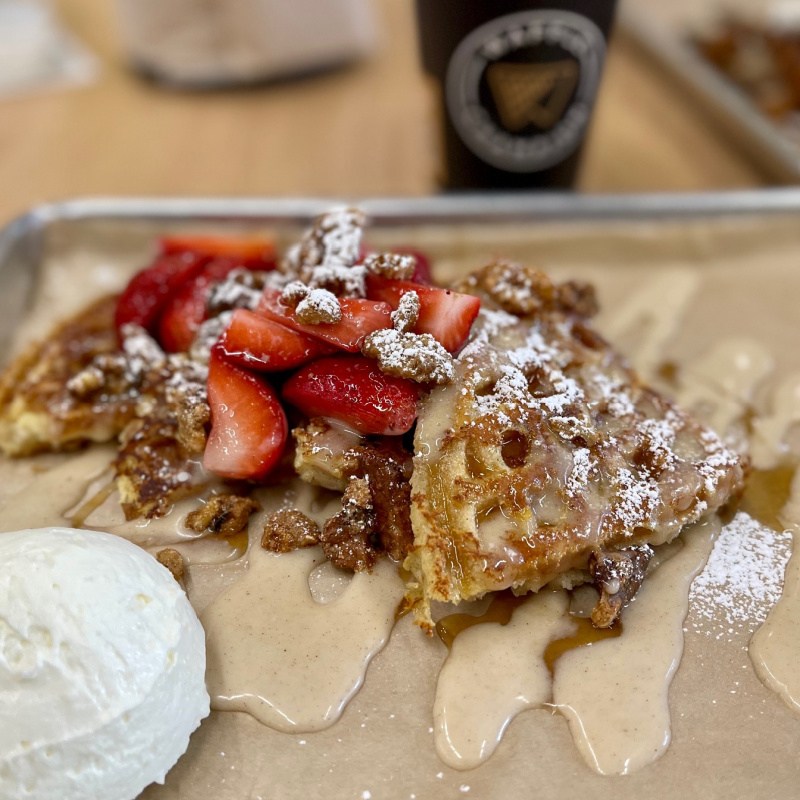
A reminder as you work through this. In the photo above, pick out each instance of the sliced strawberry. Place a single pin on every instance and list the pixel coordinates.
(447, 315)
(257, 252)
(147, 292)
(248, 424)
(359, 318)
(185, 310)
(259, 343)
(353, 390)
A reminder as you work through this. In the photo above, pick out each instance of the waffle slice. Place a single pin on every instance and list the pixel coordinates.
(82, 385)
(41, 410)
(546, 449)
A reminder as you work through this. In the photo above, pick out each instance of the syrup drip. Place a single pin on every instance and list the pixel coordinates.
(238, 542)
(500, 610)
(766, 493)
(86, 509)
(586, 634)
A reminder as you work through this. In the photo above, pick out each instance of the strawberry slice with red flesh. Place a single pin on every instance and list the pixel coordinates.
(147, 292)
(256, 252)
(446, 315)
(248, 425)
(354, 391)
(184, 311)
(267, 346)
(359, 318)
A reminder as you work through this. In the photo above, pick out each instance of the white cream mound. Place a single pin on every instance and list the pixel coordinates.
(102, 667)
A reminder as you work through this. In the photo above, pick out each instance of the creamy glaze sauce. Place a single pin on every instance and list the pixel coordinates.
(722, 383)
(642, 326)
(768, 443)
(614, 693)
(494, 672)
(49, 496)
(291, 662)
(775, 647)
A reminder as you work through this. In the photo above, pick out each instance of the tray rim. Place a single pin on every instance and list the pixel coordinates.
(26, 230)
(467, 207)
(479, 208)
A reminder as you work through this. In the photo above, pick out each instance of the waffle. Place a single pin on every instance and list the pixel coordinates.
(546, 449)
(38, 410)
(82, 385)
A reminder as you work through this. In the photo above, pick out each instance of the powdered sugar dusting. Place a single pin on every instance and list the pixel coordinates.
(614, 395)
(490, 322)
(636, 499)
(743, 578)
(582, 466)
(512, 387)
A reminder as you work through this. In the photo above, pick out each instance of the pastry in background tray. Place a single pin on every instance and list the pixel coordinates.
(762, 58)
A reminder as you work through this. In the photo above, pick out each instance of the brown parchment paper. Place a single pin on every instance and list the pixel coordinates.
(731, 737)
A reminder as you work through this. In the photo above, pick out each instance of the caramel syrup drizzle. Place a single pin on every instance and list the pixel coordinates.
(502, 608)
(585, 635)
(766, 493)
(78, 519)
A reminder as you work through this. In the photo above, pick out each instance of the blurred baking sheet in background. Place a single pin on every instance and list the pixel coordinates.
(667, 32)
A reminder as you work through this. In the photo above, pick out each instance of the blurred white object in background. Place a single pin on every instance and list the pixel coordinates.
(784, 15)
(206, 43)
(35, 51)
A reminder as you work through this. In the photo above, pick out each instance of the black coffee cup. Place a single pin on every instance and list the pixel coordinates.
(518, 80)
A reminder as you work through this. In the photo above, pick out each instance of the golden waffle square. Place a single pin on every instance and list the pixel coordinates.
(548, 448)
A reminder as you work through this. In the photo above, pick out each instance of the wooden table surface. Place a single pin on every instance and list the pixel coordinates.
(369, 129)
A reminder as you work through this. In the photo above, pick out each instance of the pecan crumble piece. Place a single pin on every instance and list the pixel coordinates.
(289, 529)
(617, 575)
(391, 265)
(327, 254)
(86, 382)
(405, 316)
(418, 357)
(173, 561)
(317, 307)
(293, 293)
(193, 420)
(524, 290)
(578, 298)
(333, 237)
(388, 469)
(225, 514)
(348, 537)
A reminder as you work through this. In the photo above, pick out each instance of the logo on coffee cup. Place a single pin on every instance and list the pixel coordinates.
(520, 89)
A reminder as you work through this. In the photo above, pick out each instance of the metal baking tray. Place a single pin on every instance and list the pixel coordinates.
(22, 241)
(663, 31)
(709, 222)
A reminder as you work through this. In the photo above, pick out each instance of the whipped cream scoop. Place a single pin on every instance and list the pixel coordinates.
(102, 667)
